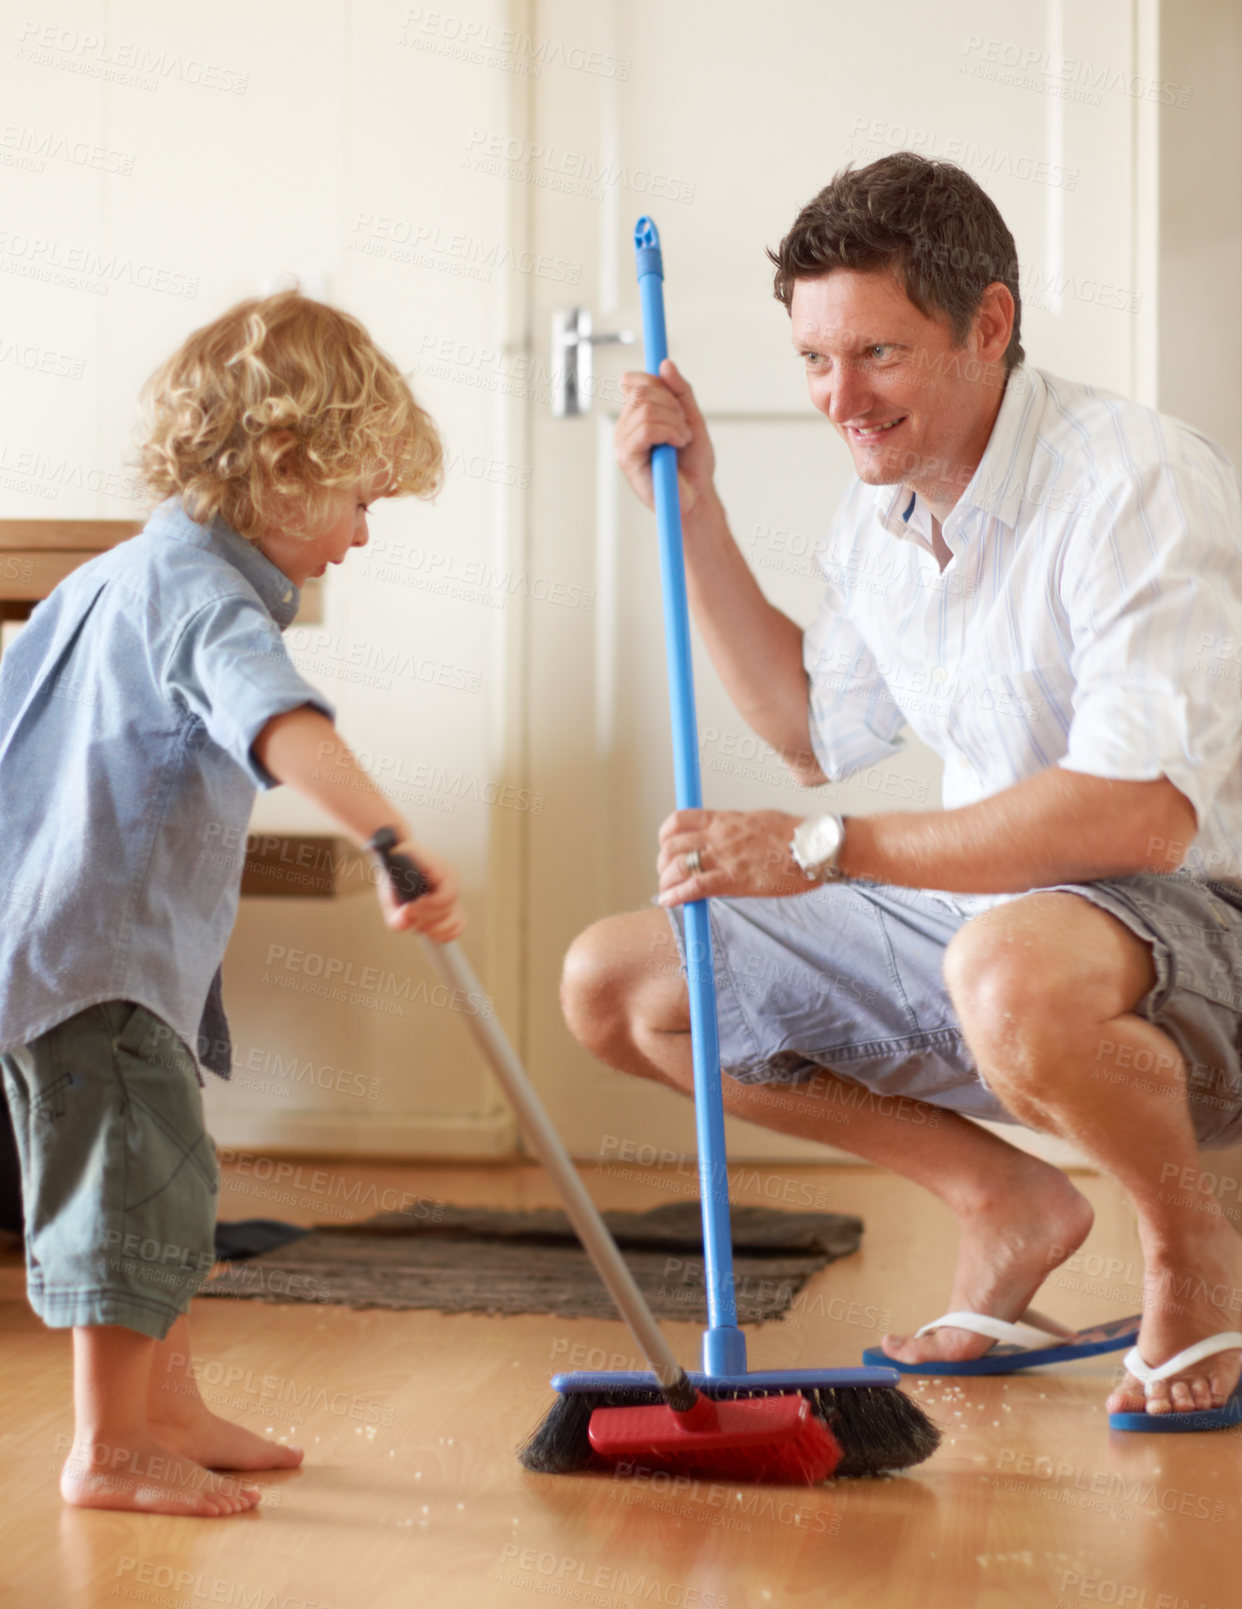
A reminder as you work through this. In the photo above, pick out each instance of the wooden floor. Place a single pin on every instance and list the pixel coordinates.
(411, 1495)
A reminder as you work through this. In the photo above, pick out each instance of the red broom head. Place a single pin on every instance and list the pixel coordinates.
(777, 1439)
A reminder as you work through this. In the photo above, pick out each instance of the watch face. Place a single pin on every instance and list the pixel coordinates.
(818, 840)
(825, 840)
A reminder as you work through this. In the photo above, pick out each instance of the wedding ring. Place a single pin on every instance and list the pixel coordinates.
(694, 861)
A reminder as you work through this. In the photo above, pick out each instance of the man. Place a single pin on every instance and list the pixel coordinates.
(1066, 568)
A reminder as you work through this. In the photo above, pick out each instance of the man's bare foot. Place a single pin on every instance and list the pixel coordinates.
(1187, 1299)
(139, 1473)
(197, 1433)
(1008, 1248)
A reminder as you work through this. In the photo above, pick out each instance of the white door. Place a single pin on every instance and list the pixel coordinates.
(721, 128)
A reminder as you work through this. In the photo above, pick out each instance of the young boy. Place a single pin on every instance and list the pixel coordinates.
(140, 708)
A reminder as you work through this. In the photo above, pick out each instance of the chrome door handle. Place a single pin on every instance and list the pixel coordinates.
(573, 370)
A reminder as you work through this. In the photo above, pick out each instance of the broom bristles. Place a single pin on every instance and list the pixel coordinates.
(558, 1445)
(879, 1428)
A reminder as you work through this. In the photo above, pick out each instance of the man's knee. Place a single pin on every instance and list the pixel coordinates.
(1040, 970)
(592, 984)
(993, 989)
(619, 975)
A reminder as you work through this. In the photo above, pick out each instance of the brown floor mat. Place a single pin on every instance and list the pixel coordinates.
(482, 1260)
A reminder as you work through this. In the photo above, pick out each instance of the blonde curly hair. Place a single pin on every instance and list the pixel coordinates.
(263, 415)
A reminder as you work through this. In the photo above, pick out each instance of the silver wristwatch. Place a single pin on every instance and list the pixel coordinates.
(816, 848)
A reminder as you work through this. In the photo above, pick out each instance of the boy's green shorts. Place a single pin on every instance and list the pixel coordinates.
(119, 1177)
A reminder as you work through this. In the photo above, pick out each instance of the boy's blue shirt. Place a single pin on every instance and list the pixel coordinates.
(128, 705)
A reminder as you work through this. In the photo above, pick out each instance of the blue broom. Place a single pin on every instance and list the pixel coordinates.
(877, 1426)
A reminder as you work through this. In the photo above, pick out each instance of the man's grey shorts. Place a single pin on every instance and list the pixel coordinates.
(119, 1177)
(850, 977)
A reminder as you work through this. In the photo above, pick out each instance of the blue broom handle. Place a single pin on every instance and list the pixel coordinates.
(724, 1346)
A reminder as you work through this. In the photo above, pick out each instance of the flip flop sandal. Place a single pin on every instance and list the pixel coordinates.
(1179, 1420)
(1019, 1346)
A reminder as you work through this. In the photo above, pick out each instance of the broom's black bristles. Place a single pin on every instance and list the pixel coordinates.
(879, 1428)
(558, 1444)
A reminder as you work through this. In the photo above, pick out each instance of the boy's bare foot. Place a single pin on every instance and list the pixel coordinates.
(141, 1474)
(199, 1434)
(1008, 1248)
(1187, 1299)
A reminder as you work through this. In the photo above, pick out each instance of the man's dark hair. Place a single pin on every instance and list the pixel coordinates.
(929, 222)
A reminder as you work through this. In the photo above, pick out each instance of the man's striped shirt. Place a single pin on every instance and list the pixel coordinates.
(1090, 617)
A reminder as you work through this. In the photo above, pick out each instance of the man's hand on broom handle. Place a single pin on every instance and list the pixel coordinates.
(661, 410)
(740, 854)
